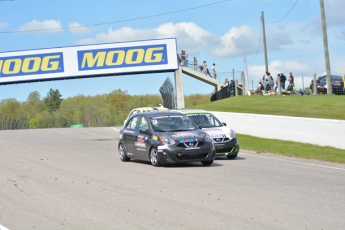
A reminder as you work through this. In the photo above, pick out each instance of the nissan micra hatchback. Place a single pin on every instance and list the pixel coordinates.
(164, 137)
(224, 138)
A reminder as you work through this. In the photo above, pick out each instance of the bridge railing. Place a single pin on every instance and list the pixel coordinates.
(198, 67)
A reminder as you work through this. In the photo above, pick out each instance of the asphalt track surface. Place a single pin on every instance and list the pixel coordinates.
(74, 179)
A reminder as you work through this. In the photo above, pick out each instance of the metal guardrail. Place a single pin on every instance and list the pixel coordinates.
(9, 123)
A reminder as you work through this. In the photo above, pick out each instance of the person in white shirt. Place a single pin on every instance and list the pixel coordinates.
(195, 64)
(214, 71)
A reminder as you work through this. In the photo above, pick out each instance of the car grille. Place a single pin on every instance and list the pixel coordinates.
(220, 140)
(188, 156)
(224, 150)
(190, 144)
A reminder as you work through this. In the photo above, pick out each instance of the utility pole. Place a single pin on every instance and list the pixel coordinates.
(264, 38)
(246, 76)
(325, 46)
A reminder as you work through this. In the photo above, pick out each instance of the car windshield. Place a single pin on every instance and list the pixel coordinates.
(337, 78)
(204, 120)
(171, 123)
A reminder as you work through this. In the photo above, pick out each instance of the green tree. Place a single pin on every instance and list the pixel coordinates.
(33, 97)
(53, 100)
(10, 107)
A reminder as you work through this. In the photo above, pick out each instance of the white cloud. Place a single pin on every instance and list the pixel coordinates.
(46, 26)
(3, 25)
(77, 28)
(334, 14)
(236, 42)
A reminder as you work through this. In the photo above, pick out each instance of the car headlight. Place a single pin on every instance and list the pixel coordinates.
(208, 138)
(232, 134)
(166, 141)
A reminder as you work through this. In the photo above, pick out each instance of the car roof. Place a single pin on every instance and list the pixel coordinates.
(144, 109)
(159, 113)
(190, 111)
(332, 76)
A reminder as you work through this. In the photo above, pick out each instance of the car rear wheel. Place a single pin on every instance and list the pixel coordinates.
(231, 156)
(123, 153)
(206, 162)
(154, 158)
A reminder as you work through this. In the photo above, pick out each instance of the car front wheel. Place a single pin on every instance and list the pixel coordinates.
(122, 152)
(154, 157)
(206, 162)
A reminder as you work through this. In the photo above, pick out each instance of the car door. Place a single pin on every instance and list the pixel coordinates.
(142, 144)
(129, 135)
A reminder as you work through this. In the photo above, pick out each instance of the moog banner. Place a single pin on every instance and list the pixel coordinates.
(89, 60)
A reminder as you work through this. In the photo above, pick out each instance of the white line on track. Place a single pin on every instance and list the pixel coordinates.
(297, 162)
(3, 228)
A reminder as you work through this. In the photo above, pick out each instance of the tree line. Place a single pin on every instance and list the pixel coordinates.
(109, 109)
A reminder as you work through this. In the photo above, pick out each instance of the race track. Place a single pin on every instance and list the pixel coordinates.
(74, 179)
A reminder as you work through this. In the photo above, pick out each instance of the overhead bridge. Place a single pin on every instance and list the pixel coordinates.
(195, 74)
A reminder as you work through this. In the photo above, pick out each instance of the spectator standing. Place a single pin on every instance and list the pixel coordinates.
(282, 81)
(195, 64)
(232, 88)
(278, 79)
(311, 87)
(204, 67)
(214, 71)
(267, 81)
(184, 58)
(292, 79)
(291, 83)
(271, 82)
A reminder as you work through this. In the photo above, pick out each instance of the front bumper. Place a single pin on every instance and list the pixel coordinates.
(172, 154)
(231, 147)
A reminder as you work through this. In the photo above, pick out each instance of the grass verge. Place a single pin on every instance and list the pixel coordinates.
(314, 106)
(293, 149)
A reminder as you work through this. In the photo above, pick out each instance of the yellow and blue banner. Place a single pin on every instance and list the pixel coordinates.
(121, 58)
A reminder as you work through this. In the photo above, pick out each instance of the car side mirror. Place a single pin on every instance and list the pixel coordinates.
(224, 123)
(144, 131)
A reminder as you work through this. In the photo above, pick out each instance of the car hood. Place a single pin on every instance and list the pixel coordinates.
(198, 134)
(218, 131)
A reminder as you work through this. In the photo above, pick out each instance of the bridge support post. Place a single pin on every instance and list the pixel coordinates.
(179, 89)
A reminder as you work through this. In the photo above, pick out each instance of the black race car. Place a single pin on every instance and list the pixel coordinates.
(164, 137)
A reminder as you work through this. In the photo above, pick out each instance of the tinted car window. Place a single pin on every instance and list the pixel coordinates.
(171, 123)
(143, 123)
(337, 78)
(204, 120)
(323, 81)
(132, 124)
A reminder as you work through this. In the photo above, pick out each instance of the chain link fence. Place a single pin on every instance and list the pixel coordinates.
(10, 123)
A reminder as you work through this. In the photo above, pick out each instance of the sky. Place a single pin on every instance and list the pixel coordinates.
(224, 32)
